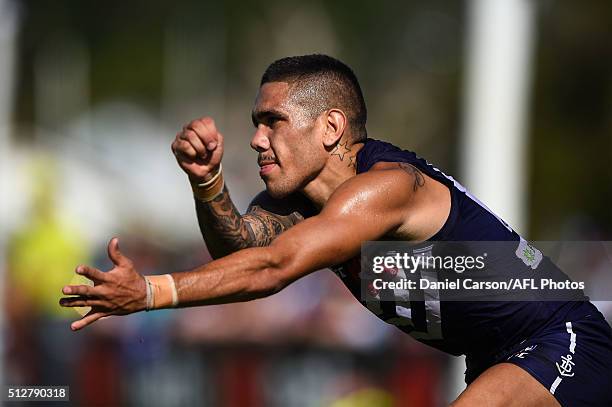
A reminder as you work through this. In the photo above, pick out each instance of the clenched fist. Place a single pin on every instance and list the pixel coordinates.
(198, 149)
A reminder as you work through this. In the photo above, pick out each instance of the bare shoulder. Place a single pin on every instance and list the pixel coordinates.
(375, 195)
(399, 190)
(418, 179)
(385, 182)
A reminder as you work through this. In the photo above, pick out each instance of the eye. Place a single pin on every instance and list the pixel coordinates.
(272, 121)
(268, 119)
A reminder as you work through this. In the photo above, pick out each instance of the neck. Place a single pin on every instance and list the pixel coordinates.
(341, 165)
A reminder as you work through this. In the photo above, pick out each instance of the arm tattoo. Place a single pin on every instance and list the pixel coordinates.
(265, 226)
(221, 225)
(419, 179)
(225, 230)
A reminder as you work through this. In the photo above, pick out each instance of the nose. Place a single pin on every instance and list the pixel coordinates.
(260, 141)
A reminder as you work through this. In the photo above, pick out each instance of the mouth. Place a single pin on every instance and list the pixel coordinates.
(266, 166)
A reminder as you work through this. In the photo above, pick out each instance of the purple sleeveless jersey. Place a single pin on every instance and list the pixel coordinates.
(566, 345)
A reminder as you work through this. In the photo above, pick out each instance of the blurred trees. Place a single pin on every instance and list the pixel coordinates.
(408, 56)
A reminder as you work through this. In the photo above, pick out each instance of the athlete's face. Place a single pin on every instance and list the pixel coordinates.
(287, 140)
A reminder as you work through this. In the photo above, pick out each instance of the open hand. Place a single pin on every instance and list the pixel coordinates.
(119, 291)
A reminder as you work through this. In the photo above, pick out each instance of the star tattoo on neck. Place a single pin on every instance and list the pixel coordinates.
(341, 150)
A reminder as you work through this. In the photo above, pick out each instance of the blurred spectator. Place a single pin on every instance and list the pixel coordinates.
(41, 258)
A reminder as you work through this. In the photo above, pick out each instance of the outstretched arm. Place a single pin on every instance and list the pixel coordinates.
(367, 207)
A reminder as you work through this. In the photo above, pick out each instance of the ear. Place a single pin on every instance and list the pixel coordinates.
(335, 124)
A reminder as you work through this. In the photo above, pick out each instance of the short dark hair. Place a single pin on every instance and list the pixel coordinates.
(323, 83)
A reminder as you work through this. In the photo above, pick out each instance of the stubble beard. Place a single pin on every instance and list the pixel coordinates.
(281, 188)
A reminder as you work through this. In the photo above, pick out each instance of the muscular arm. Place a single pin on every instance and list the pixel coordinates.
(225, 230)
(369, 206)
(366, 207)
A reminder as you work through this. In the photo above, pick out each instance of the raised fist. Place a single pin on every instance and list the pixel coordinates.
(198, 149)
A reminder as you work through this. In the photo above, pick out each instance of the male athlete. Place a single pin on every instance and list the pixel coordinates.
(328, 189)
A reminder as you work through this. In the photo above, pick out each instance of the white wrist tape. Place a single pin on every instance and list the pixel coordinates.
(209, 190)
(161, 292)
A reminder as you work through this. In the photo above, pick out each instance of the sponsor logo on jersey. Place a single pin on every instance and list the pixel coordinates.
(529, 254)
